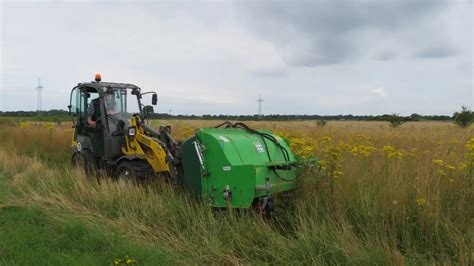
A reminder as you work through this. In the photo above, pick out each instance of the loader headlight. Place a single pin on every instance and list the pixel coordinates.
(132, 131)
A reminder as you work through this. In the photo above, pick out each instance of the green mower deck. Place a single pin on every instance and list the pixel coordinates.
(234, 167)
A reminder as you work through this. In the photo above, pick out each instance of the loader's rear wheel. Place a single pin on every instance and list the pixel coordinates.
(79, 162)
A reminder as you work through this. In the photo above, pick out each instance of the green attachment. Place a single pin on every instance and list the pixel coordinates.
(231, 167)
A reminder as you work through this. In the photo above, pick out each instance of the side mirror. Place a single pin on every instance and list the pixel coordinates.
(70, 111)
(154, 99)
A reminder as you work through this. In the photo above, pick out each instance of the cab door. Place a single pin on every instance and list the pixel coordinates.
(86, 104)
(74, 103)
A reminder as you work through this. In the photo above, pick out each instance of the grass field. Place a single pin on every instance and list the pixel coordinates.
(379, 195)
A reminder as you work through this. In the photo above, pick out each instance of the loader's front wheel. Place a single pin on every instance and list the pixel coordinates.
(133, 172)
(125, 174)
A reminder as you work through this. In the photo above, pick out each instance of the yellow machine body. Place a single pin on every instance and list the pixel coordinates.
(141, 145)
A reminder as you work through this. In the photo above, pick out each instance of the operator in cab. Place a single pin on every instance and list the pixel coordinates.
(111, 104)
(93, 112)
(94, 108)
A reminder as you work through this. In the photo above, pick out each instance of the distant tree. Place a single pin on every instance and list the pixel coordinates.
(416, 117)
(395, 120)
(321, 122)
(463, 118)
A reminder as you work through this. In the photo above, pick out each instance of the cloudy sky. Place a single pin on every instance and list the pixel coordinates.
(311, 57)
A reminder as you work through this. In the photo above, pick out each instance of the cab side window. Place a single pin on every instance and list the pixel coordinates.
(93, 107)
(78, 106)
(74, 104)
(82, 106)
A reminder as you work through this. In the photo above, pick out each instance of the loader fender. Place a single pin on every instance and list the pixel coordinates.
(129, 158)
(85, 143)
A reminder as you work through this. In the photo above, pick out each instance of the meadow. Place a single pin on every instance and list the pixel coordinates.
(378, 195)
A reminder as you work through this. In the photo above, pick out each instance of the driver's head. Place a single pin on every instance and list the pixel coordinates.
(110, 100)
(109, 96)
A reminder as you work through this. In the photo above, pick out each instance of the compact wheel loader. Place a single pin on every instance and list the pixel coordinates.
(229, 166)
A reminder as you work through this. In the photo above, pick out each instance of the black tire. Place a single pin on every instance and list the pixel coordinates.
(78, 161)
(133, 172)
(124, 173)
(84, 161)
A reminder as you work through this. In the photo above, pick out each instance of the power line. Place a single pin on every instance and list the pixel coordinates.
(39, 89)
(260, 100)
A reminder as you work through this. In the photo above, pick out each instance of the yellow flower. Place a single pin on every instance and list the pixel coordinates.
(24, 125)
(337, 173)
(345, 146)
(388, 148)
(440, 172)
(323, 164)
(438, 162)
(394, 154)
(450, 167)
(326, 138)
(420, 202)
(453, 141)
(470, 144)
(49, 125)
(355, 150)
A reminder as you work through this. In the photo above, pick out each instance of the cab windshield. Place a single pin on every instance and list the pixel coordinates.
(120, 104)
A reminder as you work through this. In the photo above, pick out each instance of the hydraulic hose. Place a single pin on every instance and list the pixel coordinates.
(155, 133)
(226, 123)
(267, 136)
(264, 136)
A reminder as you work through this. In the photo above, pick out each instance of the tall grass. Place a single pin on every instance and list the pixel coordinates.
(48, 141)
(379, 196)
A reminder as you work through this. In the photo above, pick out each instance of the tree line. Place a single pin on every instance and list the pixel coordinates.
(270, 117)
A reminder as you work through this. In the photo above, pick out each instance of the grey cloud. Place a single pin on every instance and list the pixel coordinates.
(332, 31)
(269, 73)
(322, 51)
(436, 52)
(217, 57)
(386, 55)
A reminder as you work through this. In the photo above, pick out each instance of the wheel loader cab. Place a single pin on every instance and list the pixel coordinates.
(101, 112)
